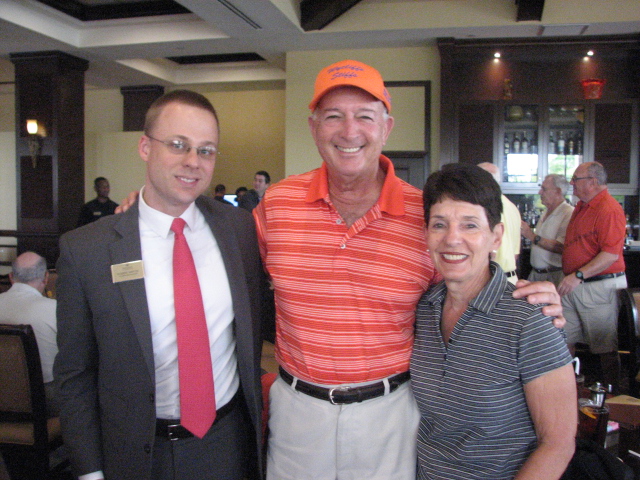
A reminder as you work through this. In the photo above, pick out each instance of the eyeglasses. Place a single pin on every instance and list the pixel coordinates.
(575, 179)
(178, 147)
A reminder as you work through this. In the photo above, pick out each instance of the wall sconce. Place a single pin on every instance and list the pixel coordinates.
(35, 141)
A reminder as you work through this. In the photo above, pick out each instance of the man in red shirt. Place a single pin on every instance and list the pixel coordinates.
(593, 265)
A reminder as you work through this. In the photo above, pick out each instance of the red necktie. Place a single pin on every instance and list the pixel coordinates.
(197, 397)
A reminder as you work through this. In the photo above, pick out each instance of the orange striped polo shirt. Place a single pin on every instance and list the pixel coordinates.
(345, 297)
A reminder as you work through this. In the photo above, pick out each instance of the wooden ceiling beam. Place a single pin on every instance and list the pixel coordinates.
(115, 10)
(316, 14)
(529, 10)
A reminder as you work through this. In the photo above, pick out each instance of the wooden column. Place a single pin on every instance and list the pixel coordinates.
(137, 101)
(50, 179)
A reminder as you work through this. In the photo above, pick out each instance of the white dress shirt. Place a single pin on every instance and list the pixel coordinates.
(157, 256)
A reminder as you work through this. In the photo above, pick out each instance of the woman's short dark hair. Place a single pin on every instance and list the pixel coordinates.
(465, 183)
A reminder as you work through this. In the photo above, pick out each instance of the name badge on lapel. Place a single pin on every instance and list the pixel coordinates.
(124, 272)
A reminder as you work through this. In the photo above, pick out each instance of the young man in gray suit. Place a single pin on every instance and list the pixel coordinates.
(117, 369)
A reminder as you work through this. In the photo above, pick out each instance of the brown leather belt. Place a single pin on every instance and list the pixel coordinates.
(172, 430)
(346, 395)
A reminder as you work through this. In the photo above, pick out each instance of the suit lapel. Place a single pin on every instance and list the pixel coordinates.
(128, 249)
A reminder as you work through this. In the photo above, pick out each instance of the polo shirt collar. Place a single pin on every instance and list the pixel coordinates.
(391, 198)
(488, 296)
(595, 201)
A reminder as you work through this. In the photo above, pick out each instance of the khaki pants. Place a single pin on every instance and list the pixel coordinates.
(591, 311)
(311, 439)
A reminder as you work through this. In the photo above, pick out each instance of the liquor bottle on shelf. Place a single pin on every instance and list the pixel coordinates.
(561, 144)
(571, 145)
(524, 143)
(507, 145)
(533, 144)
(552, 144)
(579, 144)
(515, 146)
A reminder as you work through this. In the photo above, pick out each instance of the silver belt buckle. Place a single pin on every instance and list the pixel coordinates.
(338, 389)
(172, 432)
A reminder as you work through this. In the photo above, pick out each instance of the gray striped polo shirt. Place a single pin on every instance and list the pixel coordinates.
(475, 423)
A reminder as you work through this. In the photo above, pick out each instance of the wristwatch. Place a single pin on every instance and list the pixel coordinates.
(579, 275)
(536, 239)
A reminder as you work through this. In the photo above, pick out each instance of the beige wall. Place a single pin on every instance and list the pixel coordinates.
(395, 64)
(261, 129)
(252, 138)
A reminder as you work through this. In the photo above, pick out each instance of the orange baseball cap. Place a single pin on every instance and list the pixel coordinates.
(350, 73)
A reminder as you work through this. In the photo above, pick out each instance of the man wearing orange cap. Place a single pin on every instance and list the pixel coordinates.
(344, 246)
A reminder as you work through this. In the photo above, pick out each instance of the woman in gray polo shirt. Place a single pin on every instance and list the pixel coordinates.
(491, 374)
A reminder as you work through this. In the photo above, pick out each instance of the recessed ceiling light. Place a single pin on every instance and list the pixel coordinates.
(497, 55)
(590, 53)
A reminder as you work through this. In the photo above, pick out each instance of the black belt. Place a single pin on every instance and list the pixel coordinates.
(346, 395)
(547, 270)
(510, 274)
(603, 277)
(172, 430)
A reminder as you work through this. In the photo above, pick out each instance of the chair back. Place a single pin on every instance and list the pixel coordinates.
(634, 302)
(628, 327)
(629, 334)
(27, 436)
(23, 415)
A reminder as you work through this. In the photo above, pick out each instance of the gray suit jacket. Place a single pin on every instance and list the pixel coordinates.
(105, 368)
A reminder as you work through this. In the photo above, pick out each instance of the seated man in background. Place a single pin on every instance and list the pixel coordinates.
(219, 193)
(240, 191)
(99, 207)
(24, 304)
